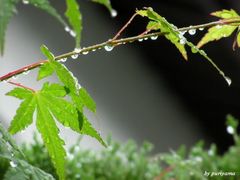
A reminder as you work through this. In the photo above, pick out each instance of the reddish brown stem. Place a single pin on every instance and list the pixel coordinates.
(124, 27)
(21, 70)
(20, 85)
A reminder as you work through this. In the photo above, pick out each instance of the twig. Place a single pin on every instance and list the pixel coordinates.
(113, 42)
(124, 27)
(20, 85)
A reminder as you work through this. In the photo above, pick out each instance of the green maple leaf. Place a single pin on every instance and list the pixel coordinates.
(75, 19)
(79, 96)
(219, 31)
(7, 9)
(106, 3)
(48, 103)
(160, 23)
(172, 33)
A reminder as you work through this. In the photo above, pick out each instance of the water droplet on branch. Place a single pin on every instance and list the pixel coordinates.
(108, 48)
(77, 50)
(154, 37)
(192, 31)
(140, 40)
(85, 52)
(201, 28)
(63, 60)
(74, 56)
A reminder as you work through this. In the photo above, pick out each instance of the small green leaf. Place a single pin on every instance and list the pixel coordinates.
(216, 33)
(106, 3)
(90, 131)
(152, 25)
(47, 53)
(231, 121)
(225, 14)
(24, 115)
(87, 100)
(171, 32)
(75, 19)
(80, 98)
(54, 89)
(45, 70)
(7, 9)
(46, 6)
(49, 132)
(20, 93)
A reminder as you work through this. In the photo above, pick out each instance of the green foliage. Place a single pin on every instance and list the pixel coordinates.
(175, 36)
(46, 6)
(75, 19)
(130, 162)
(106, 3)
(7, 9)
(169, 30)
(119, 161)
(13, 164)
(49, 103)
(219, 31)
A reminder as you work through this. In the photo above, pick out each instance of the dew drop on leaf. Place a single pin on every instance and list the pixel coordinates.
(229, 81)
(13, 164)
(72, 33)
(113, 13)
(67, 29)
(192, 31)
(230, 130)
(218, 26)
(182, 41)
(154, 37)
(74, 56)
(194, 49)
(108, 48)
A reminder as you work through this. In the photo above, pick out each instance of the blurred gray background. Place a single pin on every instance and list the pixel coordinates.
(133, 102)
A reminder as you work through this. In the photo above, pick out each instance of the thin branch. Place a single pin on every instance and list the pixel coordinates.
(113, 42)
(20, 85)
(124, 27)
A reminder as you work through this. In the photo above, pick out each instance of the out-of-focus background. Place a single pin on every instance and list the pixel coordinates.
(144, 90)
